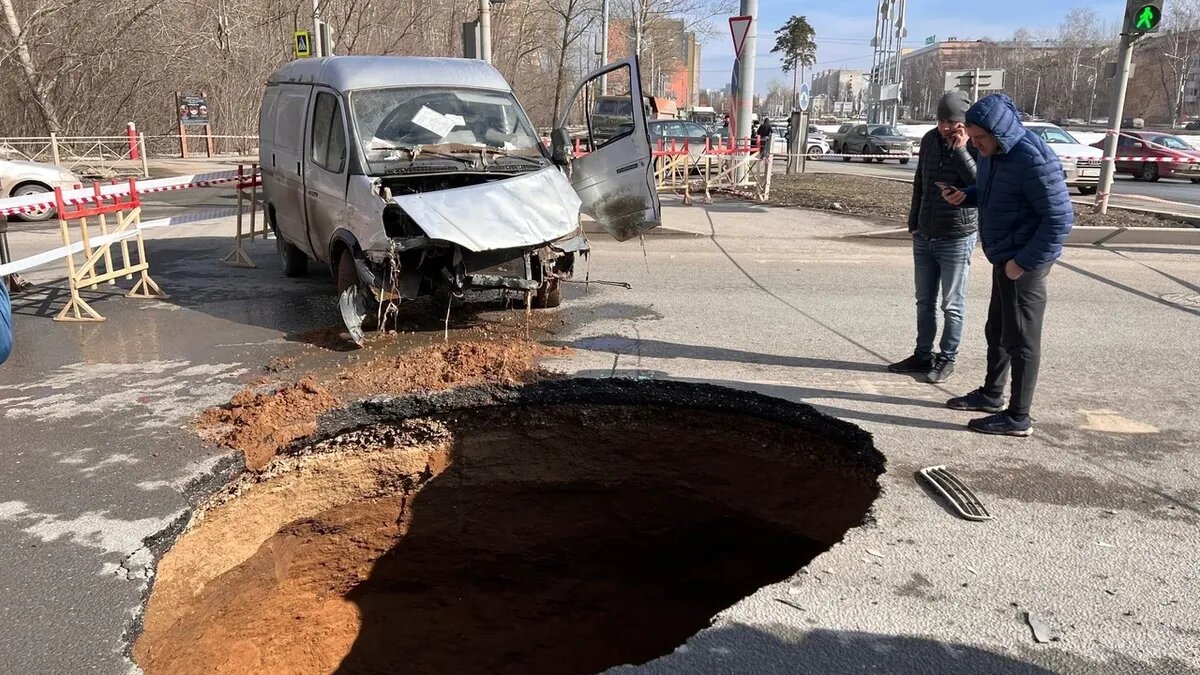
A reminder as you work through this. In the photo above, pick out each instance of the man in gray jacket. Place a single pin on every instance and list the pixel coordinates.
(943, 240)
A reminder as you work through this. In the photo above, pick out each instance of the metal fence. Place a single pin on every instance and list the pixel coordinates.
(85, 156)
(106, 157)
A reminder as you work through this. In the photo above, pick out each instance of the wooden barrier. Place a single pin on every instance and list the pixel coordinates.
(127, 211)
(247, 185)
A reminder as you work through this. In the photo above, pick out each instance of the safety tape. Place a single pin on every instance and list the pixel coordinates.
(44, 200)
(96, 242)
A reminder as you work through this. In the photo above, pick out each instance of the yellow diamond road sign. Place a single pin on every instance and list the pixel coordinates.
(302, 41)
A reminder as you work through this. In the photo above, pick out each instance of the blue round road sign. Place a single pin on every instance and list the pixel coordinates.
(803, 97)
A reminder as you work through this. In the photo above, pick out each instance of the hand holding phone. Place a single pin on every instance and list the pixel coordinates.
(952, 194)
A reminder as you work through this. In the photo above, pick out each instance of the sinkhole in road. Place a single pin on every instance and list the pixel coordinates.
(560, 527)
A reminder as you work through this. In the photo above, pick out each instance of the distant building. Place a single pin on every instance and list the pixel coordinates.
(670, 59)
(839, 86)
(924, 69)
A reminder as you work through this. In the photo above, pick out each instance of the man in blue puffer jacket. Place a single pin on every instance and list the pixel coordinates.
(1025, 215)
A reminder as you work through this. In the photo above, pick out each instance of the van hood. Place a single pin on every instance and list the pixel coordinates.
(527, 210)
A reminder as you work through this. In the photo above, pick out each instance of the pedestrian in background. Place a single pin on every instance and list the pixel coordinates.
(1025, 215)
(765, 132)
(944, 237)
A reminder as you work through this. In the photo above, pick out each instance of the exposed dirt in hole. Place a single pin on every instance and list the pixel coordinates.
(561, 539)
(259, 423)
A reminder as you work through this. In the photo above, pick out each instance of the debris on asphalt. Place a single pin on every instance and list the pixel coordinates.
(972, 570)
(959, 496)
(1105, 544)
(875, 553)
(890, 199)
(1041, 629)
(794, 590)
(790, 604)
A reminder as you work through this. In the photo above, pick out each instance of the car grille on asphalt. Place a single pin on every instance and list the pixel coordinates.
(1087, 163)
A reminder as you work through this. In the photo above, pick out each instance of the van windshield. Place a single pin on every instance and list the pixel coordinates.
(390, 121)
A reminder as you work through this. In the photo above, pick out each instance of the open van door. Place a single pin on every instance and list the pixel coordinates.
(615, 180)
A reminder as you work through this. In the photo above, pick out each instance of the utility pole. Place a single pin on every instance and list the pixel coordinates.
(745, 91)
(901, 33)
(975, 87)
(485, 30)
(637, 28)
(318, 30)
(604, 46)
(1141, 17)
(1036, 91)
(1124, 58)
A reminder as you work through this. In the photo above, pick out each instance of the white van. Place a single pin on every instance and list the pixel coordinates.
(408, 175)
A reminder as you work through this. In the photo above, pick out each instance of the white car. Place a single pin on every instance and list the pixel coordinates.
(25, 178)
(815, 147)
(1081, 163)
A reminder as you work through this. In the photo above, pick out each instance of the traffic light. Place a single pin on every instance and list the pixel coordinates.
(1143, 16)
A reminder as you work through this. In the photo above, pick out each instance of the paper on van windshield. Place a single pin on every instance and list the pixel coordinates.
(434, 121)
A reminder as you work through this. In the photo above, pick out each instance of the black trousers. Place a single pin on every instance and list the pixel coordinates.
(1014, 335)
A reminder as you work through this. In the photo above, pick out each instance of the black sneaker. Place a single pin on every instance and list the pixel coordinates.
(941, 371)
(1001, 424)
(976, 400)
(913, 364)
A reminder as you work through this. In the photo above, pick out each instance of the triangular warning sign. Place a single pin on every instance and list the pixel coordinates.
(739, 26)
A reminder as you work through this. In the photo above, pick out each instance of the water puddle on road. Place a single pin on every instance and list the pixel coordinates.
(564, 526)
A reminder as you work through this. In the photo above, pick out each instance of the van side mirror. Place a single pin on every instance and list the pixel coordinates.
(560, 146)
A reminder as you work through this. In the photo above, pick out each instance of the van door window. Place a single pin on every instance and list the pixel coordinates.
(611, 118)
(328, 134)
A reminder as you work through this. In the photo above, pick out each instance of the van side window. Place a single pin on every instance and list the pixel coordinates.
(328, 134)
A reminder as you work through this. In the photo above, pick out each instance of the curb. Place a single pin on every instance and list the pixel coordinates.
(1088, 236)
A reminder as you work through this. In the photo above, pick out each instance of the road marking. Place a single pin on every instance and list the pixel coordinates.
(1110, 421)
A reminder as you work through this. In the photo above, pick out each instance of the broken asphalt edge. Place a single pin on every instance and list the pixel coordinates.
(195, 492)
(857, 445)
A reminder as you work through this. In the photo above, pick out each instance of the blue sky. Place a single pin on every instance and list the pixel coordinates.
(844, 29)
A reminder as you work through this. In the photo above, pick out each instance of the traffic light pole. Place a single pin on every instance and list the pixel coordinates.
(1109, 163)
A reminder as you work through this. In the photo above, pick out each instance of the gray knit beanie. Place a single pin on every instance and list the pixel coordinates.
(953, 106)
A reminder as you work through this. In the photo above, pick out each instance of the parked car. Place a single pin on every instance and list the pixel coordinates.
(1133, 123)
(876, 139)
(836, 138)
(1193, 125)
(814, 144)
(681, 132)
(410, 176)
(18, 179)
(1155, 145)
(1081, 163)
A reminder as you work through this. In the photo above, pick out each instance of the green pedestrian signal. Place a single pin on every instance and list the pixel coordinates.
(1142, 16)
(1148, 18)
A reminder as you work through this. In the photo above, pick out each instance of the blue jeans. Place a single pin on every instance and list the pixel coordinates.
(945, 263)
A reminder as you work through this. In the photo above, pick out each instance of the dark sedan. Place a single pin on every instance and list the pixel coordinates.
(876, 139)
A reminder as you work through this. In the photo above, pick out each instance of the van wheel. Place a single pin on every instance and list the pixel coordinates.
(346, 276)
(293, 260)
(549, 295)
(1149, 172)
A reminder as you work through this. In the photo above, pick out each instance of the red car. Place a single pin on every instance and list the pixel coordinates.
(1155, 144)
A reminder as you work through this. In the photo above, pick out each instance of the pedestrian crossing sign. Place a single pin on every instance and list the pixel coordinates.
(302, 43)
